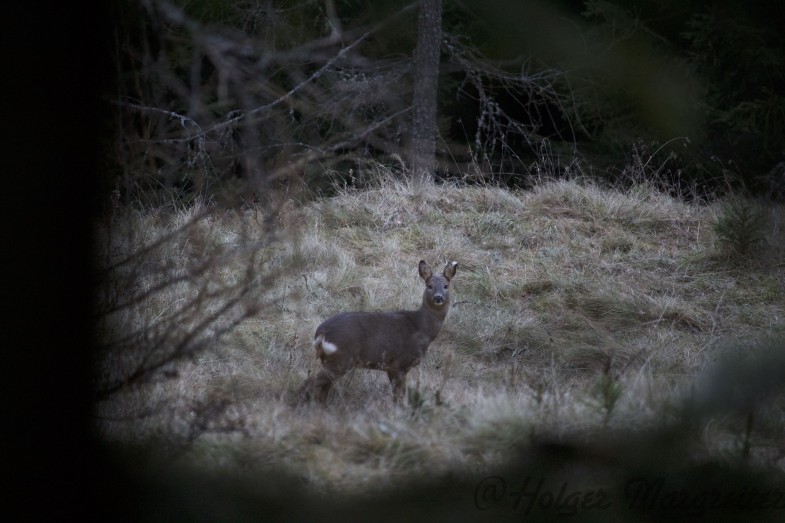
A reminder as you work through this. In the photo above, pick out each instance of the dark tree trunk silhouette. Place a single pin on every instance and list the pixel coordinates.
(422, 148)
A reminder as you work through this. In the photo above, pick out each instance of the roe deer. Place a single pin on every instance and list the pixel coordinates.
(390, 341)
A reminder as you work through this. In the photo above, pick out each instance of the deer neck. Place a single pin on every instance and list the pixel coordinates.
(433, 316)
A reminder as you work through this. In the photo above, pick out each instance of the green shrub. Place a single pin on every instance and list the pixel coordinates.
(741, 228)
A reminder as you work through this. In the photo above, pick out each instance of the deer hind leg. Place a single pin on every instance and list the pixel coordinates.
(398, 382)
(319, 386)
(332, 368)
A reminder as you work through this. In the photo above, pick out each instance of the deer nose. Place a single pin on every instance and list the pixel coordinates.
(438, 299)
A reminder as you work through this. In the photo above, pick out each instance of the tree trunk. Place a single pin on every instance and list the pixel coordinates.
(422, 147)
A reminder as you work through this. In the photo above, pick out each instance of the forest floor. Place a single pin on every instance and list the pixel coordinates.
(578, 311)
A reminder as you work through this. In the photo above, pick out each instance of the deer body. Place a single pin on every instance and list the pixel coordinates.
(390, 341)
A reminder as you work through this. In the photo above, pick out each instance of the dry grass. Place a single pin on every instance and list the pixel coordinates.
(576, 310)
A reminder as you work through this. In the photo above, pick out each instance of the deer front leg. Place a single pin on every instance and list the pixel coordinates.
(398, 382)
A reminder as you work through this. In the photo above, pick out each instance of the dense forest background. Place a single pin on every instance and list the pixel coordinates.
(218, 98)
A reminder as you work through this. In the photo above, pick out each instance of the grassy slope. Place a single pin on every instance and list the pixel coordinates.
(576, 309)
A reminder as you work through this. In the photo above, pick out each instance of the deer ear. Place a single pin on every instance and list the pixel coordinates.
(425, 270)
(449, 270)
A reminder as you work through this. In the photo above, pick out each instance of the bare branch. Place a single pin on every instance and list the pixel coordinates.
(536, 93)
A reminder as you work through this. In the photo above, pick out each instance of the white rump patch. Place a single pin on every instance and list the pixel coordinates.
(327, 347)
